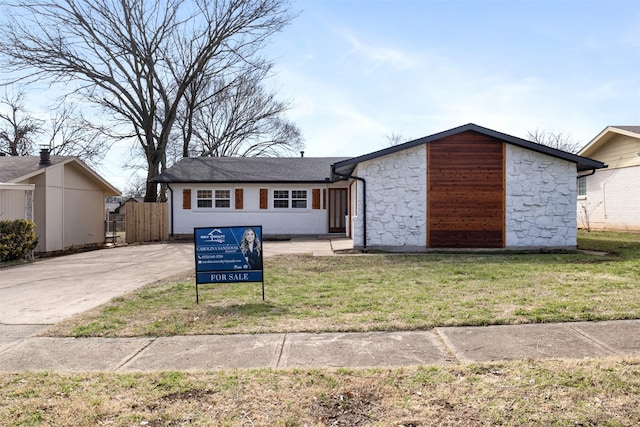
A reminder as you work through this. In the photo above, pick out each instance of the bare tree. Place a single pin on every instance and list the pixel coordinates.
(70, 134)
(239, 118)
(556, 140)
(18, 128)
(137, 58)
(394, 139)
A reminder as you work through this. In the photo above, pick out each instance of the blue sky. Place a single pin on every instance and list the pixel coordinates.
(357, 71)
(360, 70)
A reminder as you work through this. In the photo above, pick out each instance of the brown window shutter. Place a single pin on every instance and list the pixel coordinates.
(264, 198)
(315, 198)
(186, 198)
(324, 198)
(239, 198)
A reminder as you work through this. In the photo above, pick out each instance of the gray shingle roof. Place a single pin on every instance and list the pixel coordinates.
(250, 169)
(14, 167)
(634, 129)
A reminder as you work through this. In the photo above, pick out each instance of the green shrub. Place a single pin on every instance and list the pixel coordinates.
(17, 239)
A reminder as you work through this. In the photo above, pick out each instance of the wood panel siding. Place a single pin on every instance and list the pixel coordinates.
(466, 192)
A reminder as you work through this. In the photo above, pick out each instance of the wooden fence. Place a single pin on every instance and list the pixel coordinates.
(145, 222)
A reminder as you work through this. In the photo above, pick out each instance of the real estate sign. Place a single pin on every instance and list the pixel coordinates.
(228, 255)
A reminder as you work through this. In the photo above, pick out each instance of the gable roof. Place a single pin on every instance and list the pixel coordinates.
(20, 168)
(608, 133)
(249, 170)
(346, 167)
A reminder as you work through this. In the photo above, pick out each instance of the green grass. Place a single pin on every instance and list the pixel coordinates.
(388, 292)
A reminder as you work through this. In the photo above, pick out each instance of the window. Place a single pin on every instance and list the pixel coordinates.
(582, 186)
(299, 199)
(281, 199)
(223, 198)
(296, 199)
(213, 198)
(205, 199)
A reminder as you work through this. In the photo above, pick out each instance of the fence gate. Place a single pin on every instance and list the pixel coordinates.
(145, 222)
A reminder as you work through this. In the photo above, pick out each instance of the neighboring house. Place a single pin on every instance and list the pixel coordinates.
(609, 199)
(67, 199)
(468, 187)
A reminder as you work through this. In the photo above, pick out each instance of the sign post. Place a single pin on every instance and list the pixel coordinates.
(228, 255)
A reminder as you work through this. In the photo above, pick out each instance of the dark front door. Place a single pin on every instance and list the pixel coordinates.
(337, 210)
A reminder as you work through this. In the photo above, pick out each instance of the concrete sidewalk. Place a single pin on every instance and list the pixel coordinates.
(441, 346)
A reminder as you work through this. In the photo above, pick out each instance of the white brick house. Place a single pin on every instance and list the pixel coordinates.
(609, 199)
(468, 187)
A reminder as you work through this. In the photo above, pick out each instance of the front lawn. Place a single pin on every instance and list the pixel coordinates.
(387, 292)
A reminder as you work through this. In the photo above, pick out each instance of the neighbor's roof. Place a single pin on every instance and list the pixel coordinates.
(250, 169)
(608, 133)
(20, 168)
(346, 167)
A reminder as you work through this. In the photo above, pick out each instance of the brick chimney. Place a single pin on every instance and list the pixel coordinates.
(44, 157)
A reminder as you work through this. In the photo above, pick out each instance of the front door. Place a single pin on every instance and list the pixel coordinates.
(337, 210)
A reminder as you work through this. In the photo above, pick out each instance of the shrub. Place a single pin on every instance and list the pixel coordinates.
(17, 239)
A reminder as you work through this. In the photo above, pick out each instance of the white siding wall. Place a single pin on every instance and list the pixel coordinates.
(396, 201)
(273, 221)
(540, 200)
(612, 201)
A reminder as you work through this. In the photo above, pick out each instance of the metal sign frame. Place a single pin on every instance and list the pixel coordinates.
(228, 255)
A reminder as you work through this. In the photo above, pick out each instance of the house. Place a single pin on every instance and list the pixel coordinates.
(468, 187)
(609, 199)
(62, 195)
(286, 195)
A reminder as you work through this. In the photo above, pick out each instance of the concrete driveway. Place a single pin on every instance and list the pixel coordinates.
(50, 290)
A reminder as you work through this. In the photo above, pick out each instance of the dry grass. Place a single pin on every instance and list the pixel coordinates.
(345, 293)
(552, 392)
(386, 292)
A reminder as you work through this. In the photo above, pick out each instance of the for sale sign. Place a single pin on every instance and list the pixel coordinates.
(228, 255)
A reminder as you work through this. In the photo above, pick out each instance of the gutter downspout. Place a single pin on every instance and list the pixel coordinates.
(171, 207)
(593, 171)
(364, 204)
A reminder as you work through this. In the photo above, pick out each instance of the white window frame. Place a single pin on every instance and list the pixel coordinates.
(290, 199)
(582, 187)
(214, 197)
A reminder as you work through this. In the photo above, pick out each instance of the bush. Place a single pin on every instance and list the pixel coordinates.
(17, 239)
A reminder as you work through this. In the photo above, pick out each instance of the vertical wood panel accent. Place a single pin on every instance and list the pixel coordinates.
(324, 198)
(264, 198)
(239, 198)
(315, 198)
(186, 198)
(466, 192)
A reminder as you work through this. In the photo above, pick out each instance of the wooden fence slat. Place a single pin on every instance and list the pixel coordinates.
(145, 222)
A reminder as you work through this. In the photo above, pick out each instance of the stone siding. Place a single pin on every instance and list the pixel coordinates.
(396, 201)
(540, 200)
